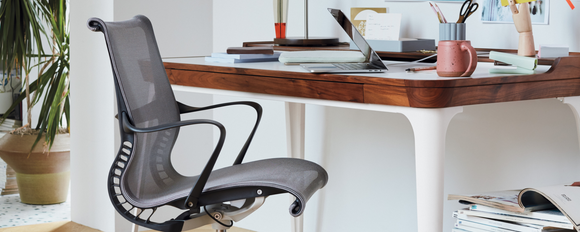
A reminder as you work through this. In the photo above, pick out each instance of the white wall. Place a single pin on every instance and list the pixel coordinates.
(92, 115)
(255, 23)
(497, 137)
(370, 155)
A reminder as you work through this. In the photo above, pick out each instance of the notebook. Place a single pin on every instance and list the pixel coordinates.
(371, 63)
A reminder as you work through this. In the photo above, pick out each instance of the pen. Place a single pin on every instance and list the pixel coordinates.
(438, 16)
(420, 69)
(440, 12)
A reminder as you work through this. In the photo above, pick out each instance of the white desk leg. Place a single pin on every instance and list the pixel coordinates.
(574, 104)
(430, 127)
(295, 141)
(135, 227)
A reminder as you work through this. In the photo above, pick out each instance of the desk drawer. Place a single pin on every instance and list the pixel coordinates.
(350, 92)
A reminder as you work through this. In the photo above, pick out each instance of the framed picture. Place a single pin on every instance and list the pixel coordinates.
(494, 12)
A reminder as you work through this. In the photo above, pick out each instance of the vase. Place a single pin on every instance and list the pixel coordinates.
(43, 177)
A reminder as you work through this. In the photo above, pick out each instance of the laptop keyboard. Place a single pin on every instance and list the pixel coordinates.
(355, 66)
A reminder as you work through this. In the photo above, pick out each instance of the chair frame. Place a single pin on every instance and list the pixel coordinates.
(195, 199)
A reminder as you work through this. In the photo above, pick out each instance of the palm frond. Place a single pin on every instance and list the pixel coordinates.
(22, 31)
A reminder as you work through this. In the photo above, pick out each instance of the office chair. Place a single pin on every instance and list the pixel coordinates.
(142, 177)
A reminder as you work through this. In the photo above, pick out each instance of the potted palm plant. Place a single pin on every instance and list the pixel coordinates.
(34, 36)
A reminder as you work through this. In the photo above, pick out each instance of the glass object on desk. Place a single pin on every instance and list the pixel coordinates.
(280, 17)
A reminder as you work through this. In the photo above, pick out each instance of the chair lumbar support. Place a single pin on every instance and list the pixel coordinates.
(222, 216)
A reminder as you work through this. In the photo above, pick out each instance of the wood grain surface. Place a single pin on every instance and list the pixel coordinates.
(561, 80)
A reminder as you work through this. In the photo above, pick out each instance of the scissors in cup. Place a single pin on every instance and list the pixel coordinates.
(465, 12)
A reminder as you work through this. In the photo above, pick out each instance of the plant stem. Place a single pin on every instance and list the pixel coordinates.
(29, 111)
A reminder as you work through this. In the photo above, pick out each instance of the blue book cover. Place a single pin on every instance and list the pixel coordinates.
(233, 60)
(244, 56)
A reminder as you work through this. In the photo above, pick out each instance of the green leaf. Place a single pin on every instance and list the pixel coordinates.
(24, 24)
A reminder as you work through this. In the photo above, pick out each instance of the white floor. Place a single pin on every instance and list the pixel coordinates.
(15, 213)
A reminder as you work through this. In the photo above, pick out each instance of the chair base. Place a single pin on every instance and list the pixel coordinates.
(224, 214)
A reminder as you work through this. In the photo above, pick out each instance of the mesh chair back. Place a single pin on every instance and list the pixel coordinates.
(143, 90)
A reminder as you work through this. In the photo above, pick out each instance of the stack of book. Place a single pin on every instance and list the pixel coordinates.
(222, 57)
(546, 209)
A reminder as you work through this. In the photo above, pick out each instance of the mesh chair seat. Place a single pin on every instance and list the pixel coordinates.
(301, 178)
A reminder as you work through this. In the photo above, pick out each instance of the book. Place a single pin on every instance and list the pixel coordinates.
(250, 50)
(234, 60)
(564, 198)
(245, 56)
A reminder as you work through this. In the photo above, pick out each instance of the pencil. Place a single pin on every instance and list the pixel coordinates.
(420, 69)
(437, 13)
(440, 13)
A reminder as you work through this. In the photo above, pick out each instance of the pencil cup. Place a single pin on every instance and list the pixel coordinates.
(451, 31)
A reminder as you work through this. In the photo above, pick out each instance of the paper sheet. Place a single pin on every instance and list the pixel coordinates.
(383, 26)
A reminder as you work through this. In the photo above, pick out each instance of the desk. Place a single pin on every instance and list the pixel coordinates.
(429, 102)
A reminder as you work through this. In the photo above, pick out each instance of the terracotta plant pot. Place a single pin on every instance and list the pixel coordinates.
(43, 178)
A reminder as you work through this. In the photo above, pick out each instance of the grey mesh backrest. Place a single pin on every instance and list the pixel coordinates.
(149, 101)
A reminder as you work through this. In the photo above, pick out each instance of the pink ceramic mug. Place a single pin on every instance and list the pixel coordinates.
(456, 58)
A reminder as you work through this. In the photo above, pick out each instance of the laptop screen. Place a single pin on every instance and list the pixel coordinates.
(370, 55)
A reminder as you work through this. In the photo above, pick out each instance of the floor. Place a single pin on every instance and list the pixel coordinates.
(68, 226)
(60, 226)
(14, 213)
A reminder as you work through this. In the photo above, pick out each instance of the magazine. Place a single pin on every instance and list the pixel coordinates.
(565, 198)
(463, 218)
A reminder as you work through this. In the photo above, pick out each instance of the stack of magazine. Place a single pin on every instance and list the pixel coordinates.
(545, 209)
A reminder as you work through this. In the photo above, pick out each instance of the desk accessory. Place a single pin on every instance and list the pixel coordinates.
(466, 10)
(383, 26)
(452, 31)
(420, 69)
(552, 51)
(280, 17)
(306, 40)
(519, 61)
(358, 16)
(523, 23)
(456, 58)
(438, 13)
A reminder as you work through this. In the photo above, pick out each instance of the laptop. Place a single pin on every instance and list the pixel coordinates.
(371, 63)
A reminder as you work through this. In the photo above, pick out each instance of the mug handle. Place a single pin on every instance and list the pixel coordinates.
(472, 58)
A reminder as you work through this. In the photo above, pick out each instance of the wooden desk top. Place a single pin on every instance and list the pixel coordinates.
(395, 87)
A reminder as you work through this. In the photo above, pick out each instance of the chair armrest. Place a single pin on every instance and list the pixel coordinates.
(191, 200)
(129, 127)
(189, 109)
